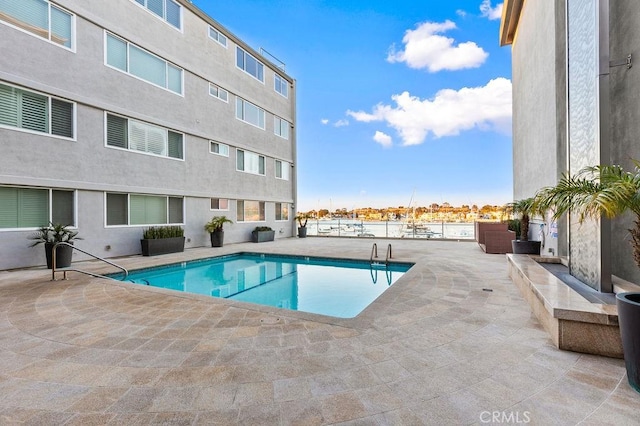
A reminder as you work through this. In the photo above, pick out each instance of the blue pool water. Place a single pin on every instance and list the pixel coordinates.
(324, 286)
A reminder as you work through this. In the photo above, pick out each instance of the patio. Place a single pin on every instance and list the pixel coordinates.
(452, 342)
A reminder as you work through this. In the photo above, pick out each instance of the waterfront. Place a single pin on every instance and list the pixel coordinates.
(391, 229)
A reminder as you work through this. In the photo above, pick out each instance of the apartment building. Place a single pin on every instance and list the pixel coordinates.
(575, 104)
(122, 114)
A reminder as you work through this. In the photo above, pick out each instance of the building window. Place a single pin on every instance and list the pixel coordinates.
(218, 92)
(134, 135)
(249, 113)
(33, 208)
(282, 170)
(168, 10)
(282, 211)
(250, 211)
(219, 204)
(31, 111)
(281, 86)
(249, 64)
(129, 58)
(40, 18)
(135, 209)
(218, 36)
(281, 127)
(249, 162)
(219, 148)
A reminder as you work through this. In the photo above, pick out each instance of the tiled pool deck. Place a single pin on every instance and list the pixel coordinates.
(436, 348)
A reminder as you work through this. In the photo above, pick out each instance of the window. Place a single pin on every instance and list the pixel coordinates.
(281, 127)
(249, 162)
(281, 85)
(129, 58)
(168, 10)
(219, 148)
(282, 170)
(32, 208)
(249, 113)
(219, 204)
(249, 64)
(26, 110)
(218, 92)
(135, 209)
(282, 211)
(250, 211)
(217, 36)
(40, 18)
(138, 136)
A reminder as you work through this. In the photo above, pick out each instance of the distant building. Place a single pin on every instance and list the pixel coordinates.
(118, 115)
(575, 103)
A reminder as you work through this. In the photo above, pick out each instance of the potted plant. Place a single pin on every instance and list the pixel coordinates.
(162, 240)
(302, 219)
(52, 234)
(610, 191)
(215, 229)
(524, 208)
(262, 233)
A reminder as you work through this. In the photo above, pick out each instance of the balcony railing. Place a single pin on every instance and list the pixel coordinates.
(391, 229)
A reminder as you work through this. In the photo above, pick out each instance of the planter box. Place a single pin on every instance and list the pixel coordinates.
(302, 232)
(526, 247)
(217, 238)
(629, 319)
(162, 246)
(262, 236)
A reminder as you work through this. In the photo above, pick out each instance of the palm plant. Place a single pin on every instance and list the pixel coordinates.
(216, 223)
(524, 208)
(595, 191)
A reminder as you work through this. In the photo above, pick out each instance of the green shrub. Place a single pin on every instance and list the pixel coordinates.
(262, 228)
(157, 232)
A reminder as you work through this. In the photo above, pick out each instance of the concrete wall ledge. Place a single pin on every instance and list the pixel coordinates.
(573, 323)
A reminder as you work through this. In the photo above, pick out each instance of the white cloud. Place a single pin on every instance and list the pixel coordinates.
(341, 123)
(461, 13)
(324, 121)
(450, 112)
(425, 48)
(491, 12)
(383, 139)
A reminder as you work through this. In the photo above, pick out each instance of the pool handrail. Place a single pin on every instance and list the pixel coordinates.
(64, 271)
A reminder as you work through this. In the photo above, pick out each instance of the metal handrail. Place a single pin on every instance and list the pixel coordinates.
(53, 263)
(389, 256)
(374, 249)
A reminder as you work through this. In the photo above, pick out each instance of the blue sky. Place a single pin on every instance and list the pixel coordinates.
(394, 97)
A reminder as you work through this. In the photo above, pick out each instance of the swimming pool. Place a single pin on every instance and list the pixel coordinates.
(338, 288)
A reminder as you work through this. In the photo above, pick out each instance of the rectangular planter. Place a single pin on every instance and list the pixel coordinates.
(262, 236)
(162, 246)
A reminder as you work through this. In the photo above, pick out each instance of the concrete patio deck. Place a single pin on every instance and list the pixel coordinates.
(452, 342)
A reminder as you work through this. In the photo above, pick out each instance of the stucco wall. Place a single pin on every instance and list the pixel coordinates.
(625, 120)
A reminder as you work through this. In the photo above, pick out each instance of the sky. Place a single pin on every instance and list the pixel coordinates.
(399, 103)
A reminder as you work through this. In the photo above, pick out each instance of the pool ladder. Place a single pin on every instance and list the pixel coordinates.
(374, 254)
(64, 270)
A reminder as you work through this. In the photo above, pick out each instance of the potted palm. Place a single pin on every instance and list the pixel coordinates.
(610, 191)
(215, 229)
(302, 219)
(51, 235)
(524, 208)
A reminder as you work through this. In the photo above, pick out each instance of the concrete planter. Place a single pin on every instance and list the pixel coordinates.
(162, 246)
(629, 320)
(302, 232)
(217, 238)
(262, 236)
(525, 247)
(64, 254)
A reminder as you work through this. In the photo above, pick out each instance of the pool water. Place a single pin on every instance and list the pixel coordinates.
(338, 288)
